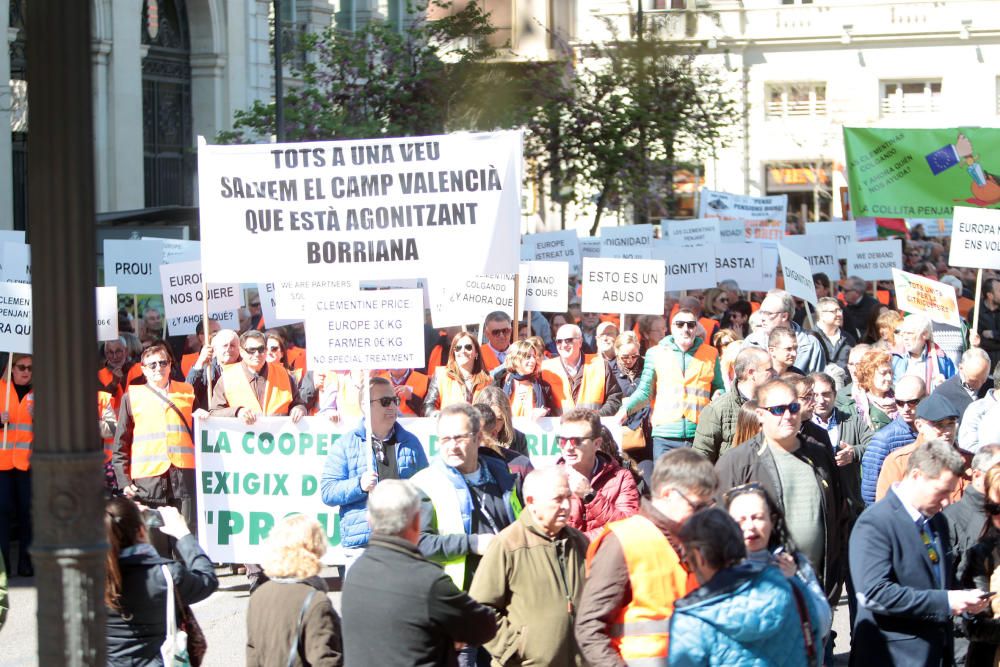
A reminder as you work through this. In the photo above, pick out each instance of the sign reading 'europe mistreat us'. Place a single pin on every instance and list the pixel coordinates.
(378, 208)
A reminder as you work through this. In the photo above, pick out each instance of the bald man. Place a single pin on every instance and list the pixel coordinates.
(970, 383)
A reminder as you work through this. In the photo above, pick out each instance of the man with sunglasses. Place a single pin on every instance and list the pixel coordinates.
(635, 569)
(900, 432)
(499, 332)
(153, 455)
(680, 374)
(777, 310)
(356, 464)
(579, 380)
(800, 476)
(254, 388)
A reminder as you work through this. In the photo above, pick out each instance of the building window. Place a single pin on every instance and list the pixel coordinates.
(910, 97)
(795, 99)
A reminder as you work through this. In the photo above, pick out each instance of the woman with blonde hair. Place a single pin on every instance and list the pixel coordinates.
(747, 423)
(290, 620)
(883, 331)
(506, 435)
(520, 379)
(723, 342)
(461, 380)
(716, 303)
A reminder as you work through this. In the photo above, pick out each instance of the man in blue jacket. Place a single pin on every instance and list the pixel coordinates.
(355, 465)
(898, 433)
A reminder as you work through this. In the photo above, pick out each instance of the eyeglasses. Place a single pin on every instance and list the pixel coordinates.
(461, 439)
(832, 311)
(465, 347)
(151, 365)
(499, 332)
(23, 368)
(628, 357)
(723, 299)
(565, 341)
(386, 401)
(993, 509)
(695, 506)
(903, 403)
(737, 491)
(255, 350)
(255, 305)
(770, 313)
(576, 441)
(274, 348)
(690, 324)
(778, 410)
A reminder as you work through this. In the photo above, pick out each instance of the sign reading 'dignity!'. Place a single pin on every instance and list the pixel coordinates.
(631, 286)
(378, 208)
(629, 242)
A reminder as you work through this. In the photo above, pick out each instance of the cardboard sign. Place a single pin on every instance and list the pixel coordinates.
(589, 247)
(867, 230)
(763, 217)
(177, 250)
(819, 251)
(107, 313)
(399, 283)
(17, 263)
(268, 306)
(691, 232)
(687, 268)
(368, 330)
(628, 242)
(844, 231)
(975, 240)
(184, 296)
(916, 294)
(460, 302)
(631, 286)
(798, 275)
(769, 268)
(546, 286)
(15, 317)
(379, 208)
(741, 262)
(133, 265)
(875, 260)
(561, 246)
(292, 296)
(732, 231)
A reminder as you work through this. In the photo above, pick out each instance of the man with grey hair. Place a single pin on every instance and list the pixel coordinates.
(980, 418)
(469, 500)
(732, 289)
(829, 331)
(533, 574)
(381, 589)
(970, 383)
(918, 354)
(858, 306)
(580, 380)
(777, 310)
(714, 435)
(902, 569)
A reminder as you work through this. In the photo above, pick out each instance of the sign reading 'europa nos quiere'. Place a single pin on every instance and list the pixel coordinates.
(381, 208)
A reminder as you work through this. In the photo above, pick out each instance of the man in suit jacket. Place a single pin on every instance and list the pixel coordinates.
(901, 567)
(970, 383)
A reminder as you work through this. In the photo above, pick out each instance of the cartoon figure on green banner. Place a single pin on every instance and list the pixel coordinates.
(985, 187)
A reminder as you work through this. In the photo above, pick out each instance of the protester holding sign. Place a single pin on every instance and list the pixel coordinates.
(15, 463)
(204, 353)
(118, 371)
(223, 351)
(919, 354)
(680, 375)
(357, 463)
(154, 447)
(460, 380)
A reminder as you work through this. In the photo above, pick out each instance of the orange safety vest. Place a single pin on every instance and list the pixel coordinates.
(104, 401)
(161, 437)
(296, 358)
(490, 359)
(452, 391)
(277, 392)
(591, 387)
(17, 452)
(188, 361)
(681, 394)
(348, 394)
(104, 377)
(415, 381)
(522, 403)
(435, 360)
(640, 629)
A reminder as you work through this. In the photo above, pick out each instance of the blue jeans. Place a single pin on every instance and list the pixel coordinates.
(663, 445)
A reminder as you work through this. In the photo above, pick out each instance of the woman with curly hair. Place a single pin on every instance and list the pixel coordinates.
(873, 393)
(520, 379)
(290, 619)
(461, 380)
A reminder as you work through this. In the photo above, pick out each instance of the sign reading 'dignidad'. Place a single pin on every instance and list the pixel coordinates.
(15, 317)
(184, 298)
(629, 242)
(379, 329)
(632, 286)
(874, 260)
(378, 208)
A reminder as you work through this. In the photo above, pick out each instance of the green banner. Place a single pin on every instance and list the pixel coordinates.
(921, 173)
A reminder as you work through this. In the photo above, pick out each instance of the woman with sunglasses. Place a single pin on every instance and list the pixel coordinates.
(521, 380)
(737, 318)
(983, 570)
(461, 380)
(15, 462)
(767, 540)
(627, 369)
(716, 303)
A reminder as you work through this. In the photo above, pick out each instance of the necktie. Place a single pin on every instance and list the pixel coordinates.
(932, 552)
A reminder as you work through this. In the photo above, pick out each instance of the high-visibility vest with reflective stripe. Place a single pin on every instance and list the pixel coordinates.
(415, 381)
(277, 391)
(640, 630)
(448, 515)
(682, 393)
(20, 430)
(160, 437)
(452, 391)
(104, 400)
(591, 387)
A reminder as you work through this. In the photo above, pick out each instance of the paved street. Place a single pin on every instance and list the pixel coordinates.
(222, 616)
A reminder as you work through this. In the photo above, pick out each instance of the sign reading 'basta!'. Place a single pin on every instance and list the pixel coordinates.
(383, 208)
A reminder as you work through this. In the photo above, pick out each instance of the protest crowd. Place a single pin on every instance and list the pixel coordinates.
(724, 472)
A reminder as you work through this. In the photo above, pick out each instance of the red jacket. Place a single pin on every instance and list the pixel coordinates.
(615, 497)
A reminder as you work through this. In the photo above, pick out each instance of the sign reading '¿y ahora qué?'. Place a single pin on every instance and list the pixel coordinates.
(386, 208)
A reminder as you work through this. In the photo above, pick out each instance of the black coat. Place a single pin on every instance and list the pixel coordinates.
(400, 609)
(953, 390)
(136, 641)
(965, 521)
(857, 316)
(904, 618)
(836, 353)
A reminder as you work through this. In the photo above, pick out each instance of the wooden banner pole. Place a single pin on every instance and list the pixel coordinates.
(10, 363)
(206, 334)
(975, 308)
